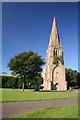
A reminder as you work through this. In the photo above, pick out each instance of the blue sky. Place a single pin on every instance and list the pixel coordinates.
(27, 26)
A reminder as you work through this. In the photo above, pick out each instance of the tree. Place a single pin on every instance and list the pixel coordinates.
(26, 65)
(71, 78)
(78, 80)
(39, 81)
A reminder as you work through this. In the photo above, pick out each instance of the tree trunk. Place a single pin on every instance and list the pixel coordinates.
(23, 87)
(23, 83)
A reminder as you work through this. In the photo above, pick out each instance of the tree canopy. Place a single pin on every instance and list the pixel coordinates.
(26, 65)
(73, 78)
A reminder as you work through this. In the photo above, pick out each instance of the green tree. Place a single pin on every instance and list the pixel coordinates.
(71, 77)
(57, 59)
(78, 80)
(26, 65)
(39, 81)
(20, 83)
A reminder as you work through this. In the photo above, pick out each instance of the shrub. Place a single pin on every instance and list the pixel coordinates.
(9, 82)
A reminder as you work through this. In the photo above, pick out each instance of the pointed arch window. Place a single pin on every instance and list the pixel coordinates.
(62, 54)
(56, 52)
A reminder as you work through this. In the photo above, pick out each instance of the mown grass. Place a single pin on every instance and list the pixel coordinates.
(66, 111)
(16, 95)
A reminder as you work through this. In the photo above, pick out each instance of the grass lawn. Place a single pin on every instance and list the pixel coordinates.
(9, 95)
(66, 111)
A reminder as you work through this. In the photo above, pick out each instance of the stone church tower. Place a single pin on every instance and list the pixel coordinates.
(54, 75)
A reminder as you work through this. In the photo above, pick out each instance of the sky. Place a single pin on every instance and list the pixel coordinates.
(27, 26)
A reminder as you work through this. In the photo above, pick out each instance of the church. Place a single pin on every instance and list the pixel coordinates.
(54, 71)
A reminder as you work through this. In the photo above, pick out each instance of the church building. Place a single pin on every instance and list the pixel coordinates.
(54, 74)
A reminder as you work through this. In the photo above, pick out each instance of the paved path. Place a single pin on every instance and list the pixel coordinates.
(15, 108)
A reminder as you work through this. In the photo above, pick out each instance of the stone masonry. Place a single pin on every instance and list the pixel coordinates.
(54, 74)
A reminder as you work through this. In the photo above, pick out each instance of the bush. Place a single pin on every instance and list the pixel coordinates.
(37, 88)
(0, 82)
(9, 82)
(15, 82)
(39, 81)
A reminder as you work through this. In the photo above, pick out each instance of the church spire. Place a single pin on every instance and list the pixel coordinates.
(54, 27)
(54, 37)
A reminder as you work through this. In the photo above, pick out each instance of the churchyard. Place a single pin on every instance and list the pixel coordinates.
(29, 95)
(17, 95)
(22, 94)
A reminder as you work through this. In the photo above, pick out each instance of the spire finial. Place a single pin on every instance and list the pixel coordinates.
(54, 21)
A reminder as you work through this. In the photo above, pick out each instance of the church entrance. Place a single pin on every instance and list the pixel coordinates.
(54, 86)
(56, 78)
